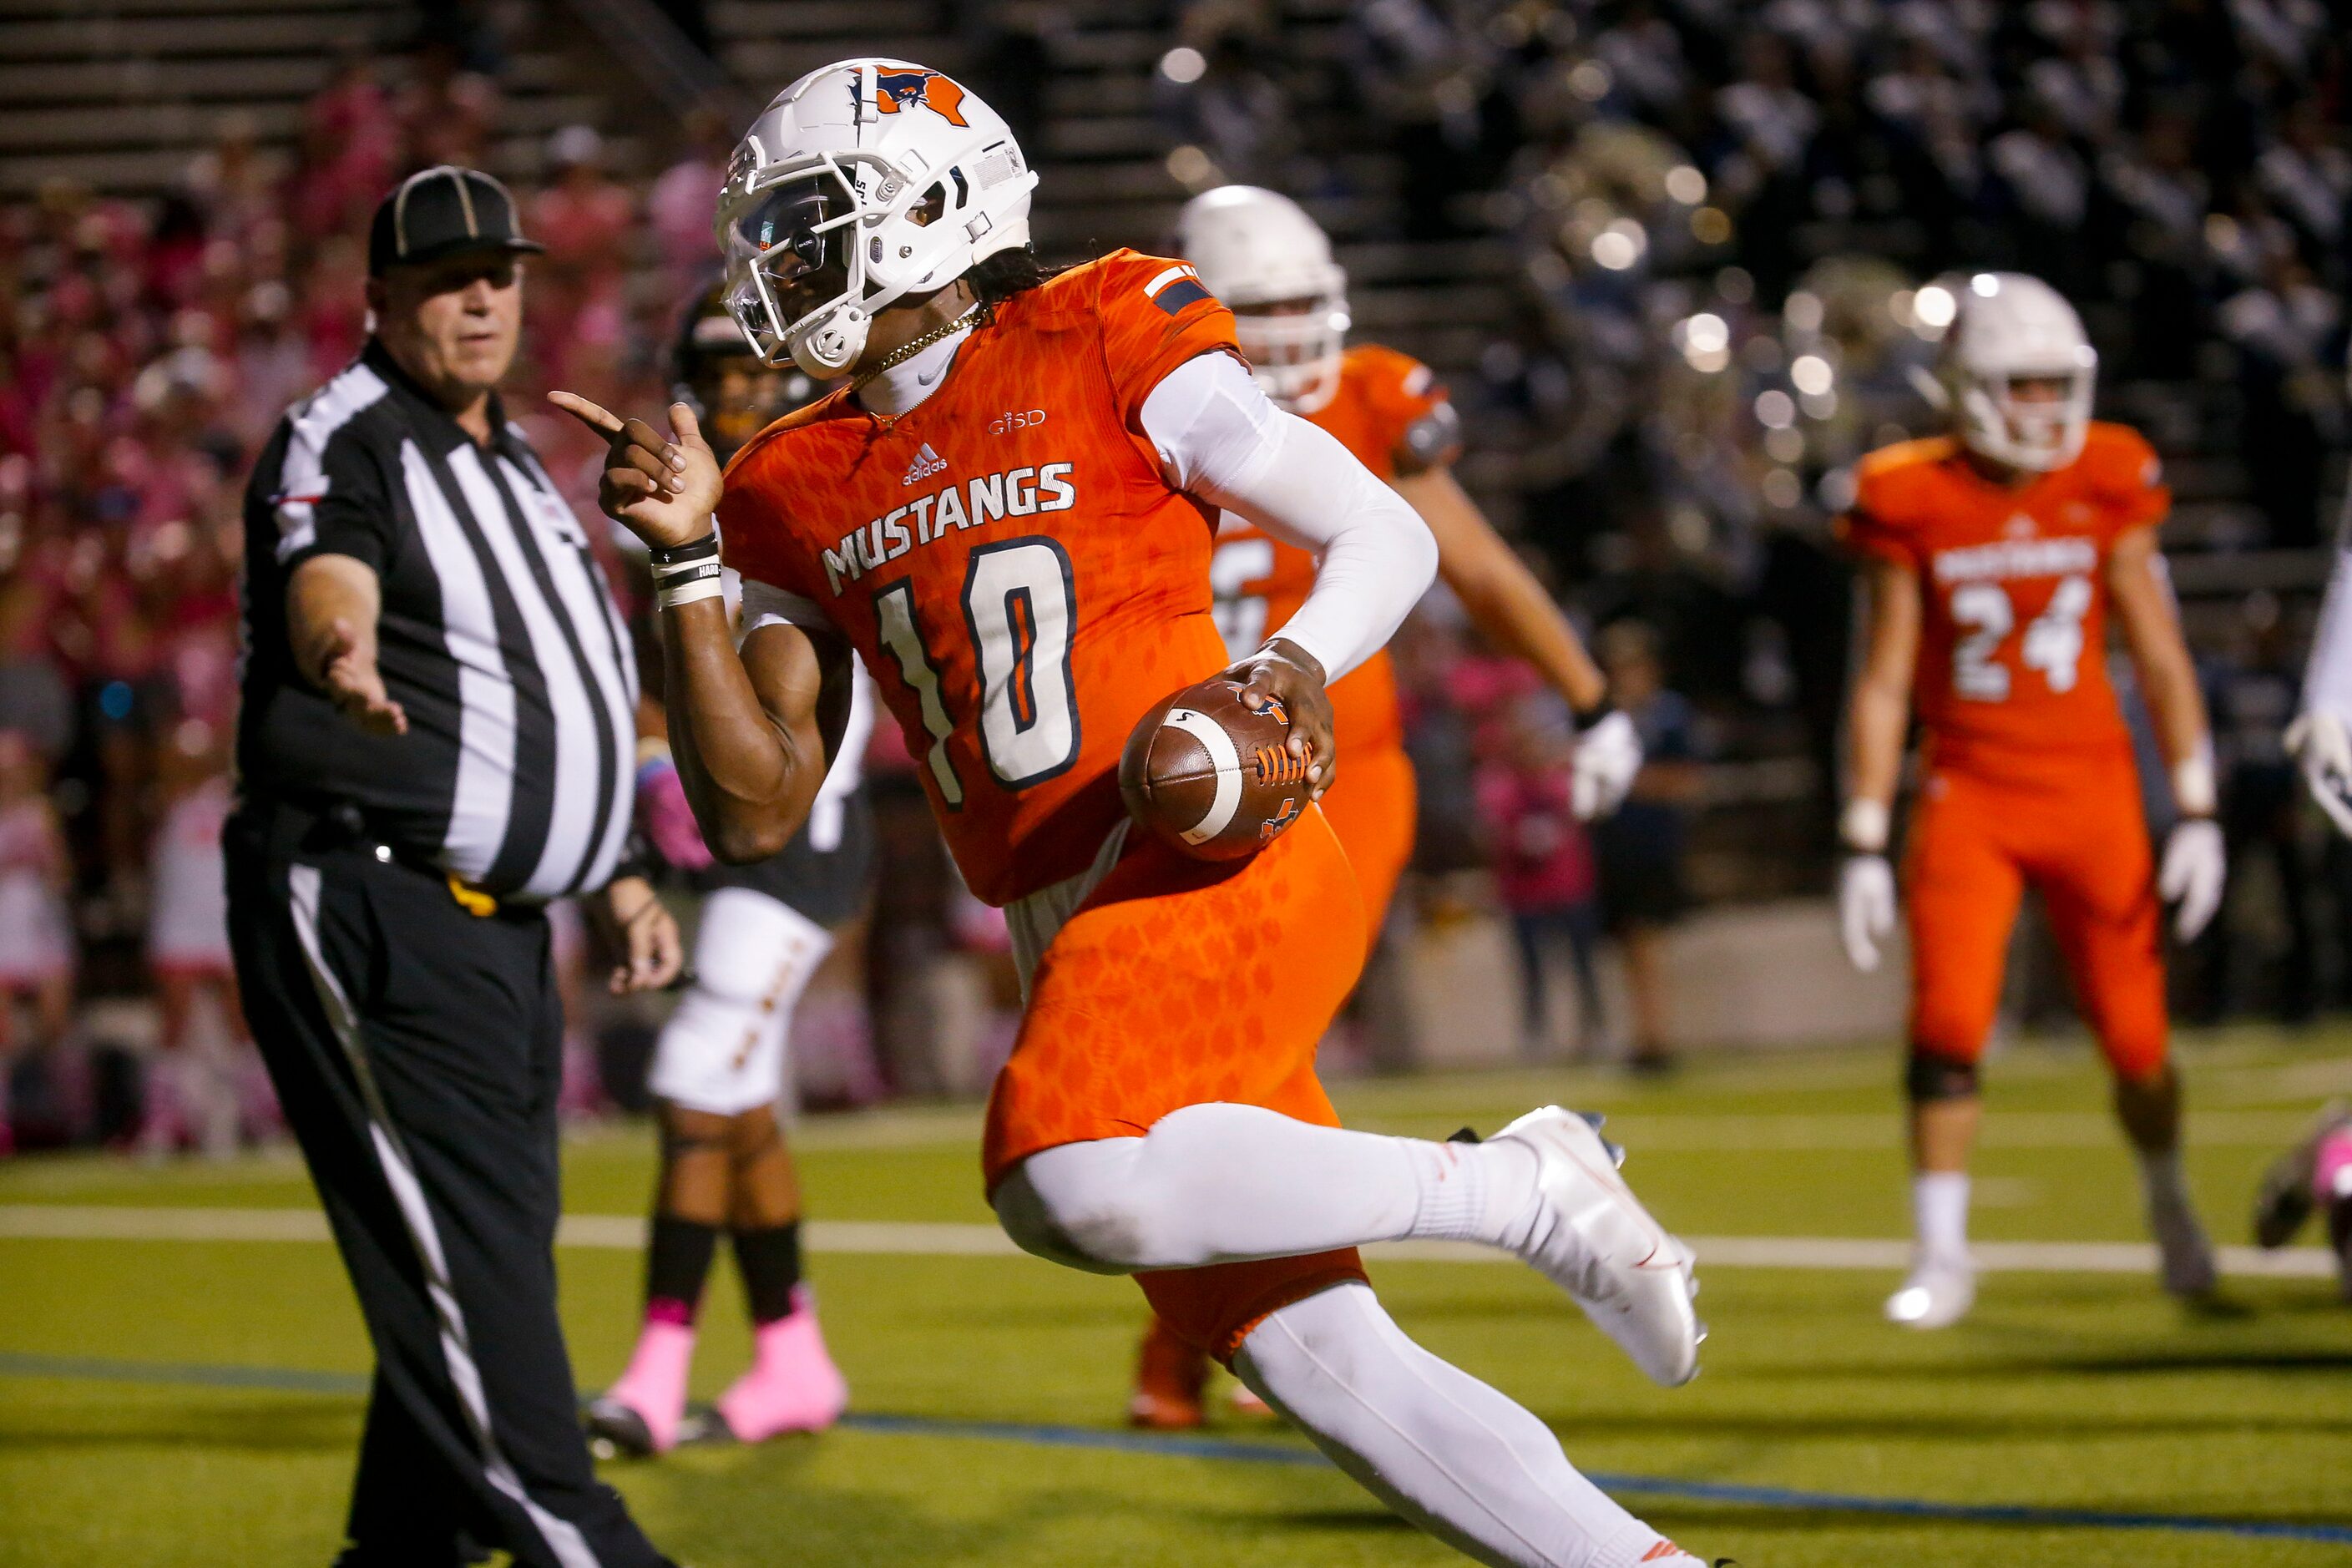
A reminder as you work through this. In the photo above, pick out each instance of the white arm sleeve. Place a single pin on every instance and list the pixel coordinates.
(1220, 439)
(2327, 682)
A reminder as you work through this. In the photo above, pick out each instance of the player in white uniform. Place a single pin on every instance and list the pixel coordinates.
(720, 1070)
(2316, 1174)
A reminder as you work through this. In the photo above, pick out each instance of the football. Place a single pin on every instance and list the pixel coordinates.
(1210, 774)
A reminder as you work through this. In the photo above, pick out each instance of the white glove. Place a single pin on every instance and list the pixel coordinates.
(2321, 741)
(1607, 755)
(1865, 907)
(2194, 867)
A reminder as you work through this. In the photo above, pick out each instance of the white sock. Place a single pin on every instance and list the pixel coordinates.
(1223, 1183)
(1939, 1215)
(1443, 1450)
(2162, 1179)
(1473, 1192)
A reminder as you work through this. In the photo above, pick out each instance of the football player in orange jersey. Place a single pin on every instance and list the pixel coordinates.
(1266, 258)
(1992, 558)
(1007, 512)
(1269, 262)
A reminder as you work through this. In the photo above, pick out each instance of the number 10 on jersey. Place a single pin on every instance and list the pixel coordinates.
(1020, 614)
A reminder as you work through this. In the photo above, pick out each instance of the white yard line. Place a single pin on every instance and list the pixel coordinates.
(58, 1222)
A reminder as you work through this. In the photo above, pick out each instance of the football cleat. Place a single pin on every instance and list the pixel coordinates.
(1593, 1238)
(1938, 1294)
(617, 1432)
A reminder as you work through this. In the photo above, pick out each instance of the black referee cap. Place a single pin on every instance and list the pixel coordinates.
(443, 211)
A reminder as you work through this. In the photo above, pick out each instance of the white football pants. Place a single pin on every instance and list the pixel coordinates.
(1217, 1183)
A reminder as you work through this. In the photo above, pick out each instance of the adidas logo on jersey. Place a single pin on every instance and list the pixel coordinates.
(926, 463)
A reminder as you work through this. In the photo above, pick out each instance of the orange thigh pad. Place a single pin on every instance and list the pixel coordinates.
(1181, 982)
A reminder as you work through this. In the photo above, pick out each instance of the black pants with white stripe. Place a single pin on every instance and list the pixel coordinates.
(417, 1051)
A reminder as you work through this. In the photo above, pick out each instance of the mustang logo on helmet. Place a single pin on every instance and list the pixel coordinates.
(895, 90)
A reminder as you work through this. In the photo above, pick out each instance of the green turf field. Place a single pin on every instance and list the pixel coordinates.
(173, 1402)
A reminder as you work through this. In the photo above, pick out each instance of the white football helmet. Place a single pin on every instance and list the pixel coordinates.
(2014, 328)
(1254, 246)
(861, 182)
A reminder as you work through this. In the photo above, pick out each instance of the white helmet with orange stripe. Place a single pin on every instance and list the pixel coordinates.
(862, 182)
(1260, 253)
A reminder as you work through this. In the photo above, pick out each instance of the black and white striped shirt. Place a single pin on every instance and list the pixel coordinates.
(498, 636)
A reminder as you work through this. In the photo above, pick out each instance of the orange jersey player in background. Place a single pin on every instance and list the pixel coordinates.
(1008, 514)
(1261, 254)
(1991, 559)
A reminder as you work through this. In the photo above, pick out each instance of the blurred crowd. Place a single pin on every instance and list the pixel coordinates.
(1727, 233)
(1719, 220)
(1721, 227)
(146, 350)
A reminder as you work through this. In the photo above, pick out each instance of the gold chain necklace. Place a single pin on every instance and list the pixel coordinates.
(910, 349)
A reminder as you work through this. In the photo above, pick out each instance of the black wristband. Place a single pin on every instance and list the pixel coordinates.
(703, 548)
(1588, 717)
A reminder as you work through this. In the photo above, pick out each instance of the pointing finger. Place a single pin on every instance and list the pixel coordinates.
(594, 417)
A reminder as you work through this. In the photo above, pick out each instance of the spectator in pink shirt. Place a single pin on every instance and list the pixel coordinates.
(684, 200)
(1543, 865)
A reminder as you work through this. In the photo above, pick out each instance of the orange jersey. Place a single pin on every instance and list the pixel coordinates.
(2012, 583)
(1007, 558)
(1392, 414)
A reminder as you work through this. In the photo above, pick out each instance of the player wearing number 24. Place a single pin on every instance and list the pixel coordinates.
(1992, 557)
(1025, 592)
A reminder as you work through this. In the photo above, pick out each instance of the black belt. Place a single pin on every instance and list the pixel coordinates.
(288, 827)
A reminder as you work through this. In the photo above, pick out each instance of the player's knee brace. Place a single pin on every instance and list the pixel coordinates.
(1928, 1078)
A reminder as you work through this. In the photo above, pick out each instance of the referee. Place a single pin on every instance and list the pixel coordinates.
(438, 737)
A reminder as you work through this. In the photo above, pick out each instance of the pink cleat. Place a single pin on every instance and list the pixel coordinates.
(639, 1416)
(792, 1385)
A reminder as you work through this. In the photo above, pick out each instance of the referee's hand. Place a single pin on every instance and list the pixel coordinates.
(664, 491)
(349, 675)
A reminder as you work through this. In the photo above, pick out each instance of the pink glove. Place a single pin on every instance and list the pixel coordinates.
(670, 821)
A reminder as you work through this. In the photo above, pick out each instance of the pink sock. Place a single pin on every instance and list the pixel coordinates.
(654, 1385)
(792, 1385)
(2331, 1172)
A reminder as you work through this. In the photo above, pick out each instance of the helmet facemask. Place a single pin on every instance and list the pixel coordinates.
(1294, 347)
(2037, 434)
(795, 276)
